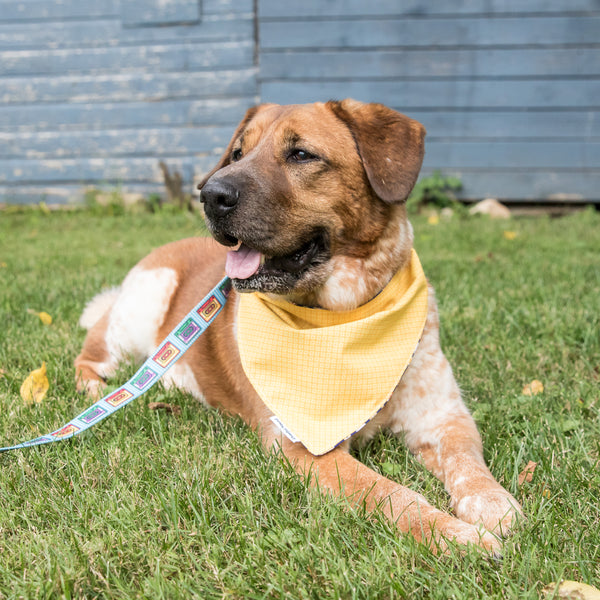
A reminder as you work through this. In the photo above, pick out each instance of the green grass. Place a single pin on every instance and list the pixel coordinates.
(152, 505)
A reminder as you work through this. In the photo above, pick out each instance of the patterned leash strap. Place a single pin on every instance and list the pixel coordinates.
(162, 359)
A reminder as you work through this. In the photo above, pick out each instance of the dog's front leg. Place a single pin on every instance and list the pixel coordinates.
(440, 431)
(339, 473)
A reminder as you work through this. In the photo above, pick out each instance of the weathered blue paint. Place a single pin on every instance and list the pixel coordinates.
(96, 93)
(441, 93)
(421, 8)
(425, 33)
(144, 13)
(420, 63)
(509, 91)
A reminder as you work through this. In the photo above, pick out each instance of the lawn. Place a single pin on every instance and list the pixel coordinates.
(156, 505)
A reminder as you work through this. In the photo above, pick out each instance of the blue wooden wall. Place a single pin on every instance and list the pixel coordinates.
(509, 90)
(96, 93)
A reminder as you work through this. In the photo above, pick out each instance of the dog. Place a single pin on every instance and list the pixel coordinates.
(307, 208)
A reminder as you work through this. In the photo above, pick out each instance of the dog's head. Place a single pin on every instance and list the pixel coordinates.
(313, 197)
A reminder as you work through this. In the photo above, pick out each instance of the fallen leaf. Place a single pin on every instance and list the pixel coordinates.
(527, 473)
(534, 388)
(572, 590)
(171, 408)
(45, 318)
(546, 493)
(510, 235)
(433, 219)
(35, 386)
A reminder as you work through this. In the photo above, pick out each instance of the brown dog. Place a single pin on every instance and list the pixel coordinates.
(313, 197)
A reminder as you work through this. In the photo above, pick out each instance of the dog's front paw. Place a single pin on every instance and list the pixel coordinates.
(466, 534)
(495, 509)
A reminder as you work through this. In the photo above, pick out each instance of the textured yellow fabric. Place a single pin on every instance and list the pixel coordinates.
(324, 373)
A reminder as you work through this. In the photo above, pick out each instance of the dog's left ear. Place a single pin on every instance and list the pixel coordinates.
(390, 145)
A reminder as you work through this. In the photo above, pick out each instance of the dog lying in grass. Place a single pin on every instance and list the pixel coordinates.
(331, 331)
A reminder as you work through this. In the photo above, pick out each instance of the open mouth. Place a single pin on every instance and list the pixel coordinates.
(247, 265)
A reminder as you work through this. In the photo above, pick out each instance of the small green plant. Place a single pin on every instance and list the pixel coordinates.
(105, 203)
(434, 190)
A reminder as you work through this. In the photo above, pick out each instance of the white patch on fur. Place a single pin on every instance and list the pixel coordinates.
(345, 289)
(139, 311)
(97, 306)
(475, 505)
(354, 281)
(181, 376)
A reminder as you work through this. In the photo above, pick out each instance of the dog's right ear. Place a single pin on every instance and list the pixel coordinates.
(226, 158)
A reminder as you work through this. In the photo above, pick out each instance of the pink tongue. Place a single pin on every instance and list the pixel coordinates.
(242, 263)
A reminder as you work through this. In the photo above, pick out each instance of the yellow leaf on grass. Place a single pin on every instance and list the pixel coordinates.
(45, 318)
(510, 235)
(572, 590)
(534, 388)
(433, 219)
(35, 386)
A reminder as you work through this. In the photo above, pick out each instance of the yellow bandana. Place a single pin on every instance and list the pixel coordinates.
(325, 373)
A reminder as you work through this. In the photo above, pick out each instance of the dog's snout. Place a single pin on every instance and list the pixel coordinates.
(220, 198)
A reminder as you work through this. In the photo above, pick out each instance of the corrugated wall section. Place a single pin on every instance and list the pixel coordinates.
(96, 93)
(509, 90)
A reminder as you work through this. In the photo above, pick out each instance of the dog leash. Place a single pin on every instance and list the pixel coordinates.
(171, 349)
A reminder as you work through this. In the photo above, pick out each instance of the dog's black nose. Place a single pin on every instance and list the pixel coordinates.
(220, 198)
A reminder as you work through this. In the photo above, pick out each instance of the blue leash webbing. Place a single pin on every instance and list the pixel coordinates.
(171, 349)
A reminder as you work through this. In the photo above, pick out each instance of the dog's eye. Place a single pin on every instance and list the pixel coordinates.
(236, 154)
(298, 155)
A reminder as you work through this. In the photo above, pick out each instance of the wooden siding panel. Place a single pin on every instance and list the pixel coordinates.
(144, 13)
(66, 117)
(513, 185)
(443, 94)
(420, 63)
(127, 87)
(563, 155)
(166, 141)
(107, 32)
(229, 7)
(38, 10)
(431, 32)
(158, 58)
(115, 170)
(276, 9)
(502, 125)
